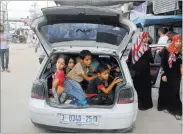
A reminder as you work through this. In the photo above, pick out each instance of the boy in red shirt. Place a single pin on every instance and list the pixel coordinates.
(100, 86)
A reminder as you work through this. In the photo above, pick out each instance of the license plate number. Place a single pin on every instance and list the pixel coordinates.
(78, 119)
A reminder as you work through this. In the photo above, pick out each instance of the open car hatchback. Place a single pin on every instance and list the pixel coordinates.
(68, 30)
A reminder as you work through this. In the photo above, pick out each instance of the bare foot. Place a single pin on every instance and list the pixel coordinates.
(2, 70)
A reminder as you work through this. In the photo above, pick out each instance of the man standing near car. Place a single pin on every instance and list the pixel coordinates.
(163, 40)
(4, 48)
(163, 37)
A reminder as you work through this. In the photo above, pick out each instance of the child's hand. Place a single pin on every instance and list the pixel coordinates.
(164, 78)
(109, 67)
(116, 80)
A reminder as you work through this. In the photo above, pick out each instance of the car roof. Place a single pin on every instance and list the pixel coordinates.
(92, 2)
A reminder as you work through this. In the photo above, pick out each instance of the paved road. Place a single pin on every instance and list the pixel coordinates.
(15, 91)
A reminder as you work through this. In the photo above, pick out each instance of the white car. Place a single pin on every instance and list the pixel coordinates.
(68, 30)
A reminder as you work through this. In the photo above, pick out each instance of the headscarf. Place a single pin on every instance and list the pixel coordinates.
(172, 50)
(139, 48)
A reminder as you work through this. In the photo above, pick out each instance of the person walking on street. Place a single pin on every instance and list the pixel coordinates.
(4, 49)
(169, 91)
(138, 62)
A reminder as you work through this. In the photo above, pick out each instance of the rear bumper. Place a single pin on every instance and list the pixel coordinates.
(122, 117)
(74, 130)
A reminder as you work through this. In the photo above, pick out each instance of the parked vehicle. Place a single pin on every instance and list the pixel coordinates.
(68, 30)
(14, 38)
(18, 36)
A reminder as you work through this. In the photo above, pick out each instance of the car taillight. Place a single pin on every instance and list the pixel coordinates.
(126, 96)
(38, 90)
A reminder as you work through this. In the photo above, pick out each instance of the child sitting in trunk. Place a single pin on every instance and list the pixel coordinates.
(70, 65)
(114, 68)
(58, 80)
(100, 87)
(76, 76)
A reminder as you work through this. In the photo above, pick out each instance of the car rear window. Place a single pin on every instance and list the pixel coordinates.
(84, 31)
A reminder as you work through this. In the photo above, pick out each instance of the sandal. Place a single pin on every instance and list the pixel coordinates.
(178, 117)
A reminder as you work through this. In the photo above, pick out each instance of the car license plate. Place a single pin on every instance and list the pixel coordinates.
(78, 119)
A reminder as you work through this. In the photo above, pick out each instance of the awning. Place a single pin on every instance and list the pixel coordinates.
(145, 21)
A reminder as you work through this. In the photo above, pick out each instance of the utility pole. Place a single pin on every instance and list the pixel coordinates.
(4, 14)
(46, 3)
(4, 11)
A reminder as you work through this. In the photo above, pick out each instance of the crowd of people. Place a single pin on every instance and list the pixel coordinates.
(139, 61)
(69, 76)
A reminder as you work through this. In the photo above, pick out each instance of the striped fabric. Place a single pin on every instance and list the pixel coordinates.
(139, 48)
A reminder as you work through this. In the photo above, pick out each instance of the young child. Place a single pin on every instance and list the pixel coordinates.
(169, 41)
(99, 85)
(77, 75)
(70, 65)
(114, 68)
(58, 79)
